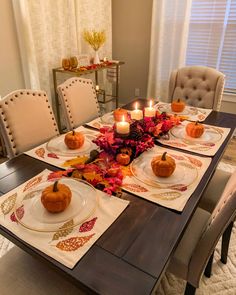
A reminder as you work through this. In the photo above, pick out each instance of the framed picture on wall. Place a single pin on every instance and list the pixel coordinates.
(83, 60)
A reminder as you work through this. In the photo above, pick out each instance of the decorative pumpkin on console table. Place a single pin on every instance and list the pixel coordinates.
(195, 129)
(56, 198)
(163, 165)
(177, 106)
(74, 140)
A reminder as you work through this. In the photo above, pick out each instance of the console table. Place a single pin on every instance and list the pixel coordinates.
(77, 72)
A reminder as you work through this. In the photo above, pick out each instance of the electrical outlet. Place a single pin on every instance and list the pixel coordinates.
(136, 92)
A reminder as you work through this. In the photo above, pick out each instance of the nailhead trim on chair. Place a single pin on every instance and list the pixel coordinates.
(12, 98)
(74, 81)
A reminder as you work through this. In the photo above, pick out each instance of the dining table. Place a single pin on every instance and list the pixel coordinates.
(132, 255)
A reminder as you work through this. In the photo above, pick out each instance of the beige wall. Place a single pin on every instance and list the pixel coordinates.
(10, 65)
(131, 26)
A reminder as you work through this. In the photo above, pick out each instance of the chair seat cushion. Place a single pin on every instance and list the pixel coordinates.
(21, 274)
(180, 261)
(214, 190)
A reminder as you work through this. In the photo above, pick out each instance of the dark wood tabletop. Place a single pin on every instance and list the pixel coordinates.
(131, 256)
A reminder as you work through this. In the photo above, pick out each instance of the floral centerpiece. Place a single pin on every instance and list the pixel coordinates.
(95, 39)
(141, 136)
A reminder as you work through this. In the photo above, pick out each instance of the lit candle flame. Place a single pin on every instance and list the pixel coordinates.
(97, 87)
(123, 118)
(136, 106)
(150, 104)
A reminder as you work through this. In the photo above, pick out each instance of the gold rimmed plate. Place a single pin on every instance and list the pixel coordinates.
(57, 145)
(210, 135)
(83, 203)
(167, 108)
(184, 175)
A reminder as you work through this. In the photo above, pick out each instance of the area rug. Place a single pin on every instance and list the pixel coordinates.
(222, 281)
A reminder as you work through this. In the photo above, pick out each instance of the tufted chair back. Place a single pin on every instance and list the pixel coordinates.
(79, 101)
(26, 120)
(198, 86)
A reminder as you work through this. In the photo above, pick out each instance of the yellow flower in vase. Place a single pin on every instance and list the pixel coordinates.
(95, 39)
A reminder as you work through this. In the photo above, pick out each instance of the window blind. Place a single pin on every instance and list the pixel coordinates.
(212, 37)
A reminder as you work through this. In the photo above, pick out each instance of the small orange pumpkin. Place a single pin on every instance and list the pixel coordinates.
(163, 165)
(177, 105)
(56, 198)
(74, 140)
(123, 159)
(195, 129)
(119, 114)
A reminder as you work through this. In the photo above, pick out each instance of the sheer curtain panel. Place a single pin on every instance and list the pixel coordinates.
(49, 30)
(169, 32)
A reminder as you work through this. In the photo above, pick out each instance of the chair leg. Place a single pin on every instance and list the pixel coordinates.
(208, 268)
(225, 243)
(189, 290)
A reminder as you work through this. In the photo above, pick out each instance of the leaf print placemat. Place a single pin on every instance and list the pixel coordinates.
(171, 192)
(189, 113)
(59, 159)
(68, 243)
(208, 144)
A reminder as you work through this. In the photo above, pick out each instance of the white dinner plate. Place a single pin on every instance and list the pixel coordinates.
(37, 218)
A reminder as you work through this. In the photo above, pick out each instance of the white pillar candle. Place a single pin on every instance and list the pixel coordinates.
(136, 114)
(122, 127)
(150, 111)
(105, 59)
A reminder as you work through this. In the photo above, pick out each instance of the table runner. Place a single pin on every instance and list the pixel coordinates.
(67, 247)
(174, 196)
(41, 153)
(190, 113)
(205, 145)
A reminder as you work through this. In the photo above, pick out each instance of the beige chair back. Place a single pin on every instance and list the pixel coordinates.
(79, 101)
(198, 86)
(226, 213)
(26, 120)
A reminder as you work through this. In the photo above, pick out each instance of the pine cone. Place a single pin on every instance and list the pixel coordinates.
(136, 134)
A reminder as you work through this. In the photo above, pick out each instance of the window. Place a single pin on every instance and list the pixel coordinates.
(212, 37)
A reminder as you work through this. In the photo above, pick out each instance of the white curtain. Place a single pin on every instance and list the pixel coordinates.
(169, 33)
(49, 30)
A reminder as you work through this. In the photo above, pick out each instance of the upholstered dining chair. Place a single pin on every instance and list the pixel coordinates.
(198, 86)
(78, 101)
(26, 120)
(196, 249)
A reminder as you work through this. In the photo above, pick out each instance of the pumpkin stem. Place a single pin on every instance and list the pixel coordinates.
(163, 158)
(178, 100)
(73, 132)
(196, 122)
(55, 188)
